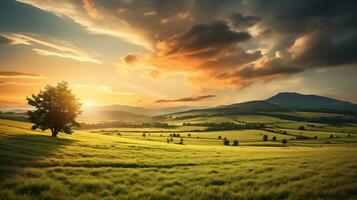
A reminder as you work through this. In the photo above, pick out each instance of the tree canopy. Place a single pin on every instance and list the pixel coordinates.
(56, 108)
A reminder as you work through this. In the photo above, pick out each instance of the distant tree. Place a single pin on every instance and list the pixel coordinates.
(315, 137)
(167, 140)
(144, 134)
(235, 143)
(172, 139)
(219, 137)
(349, 135)
(284, 142)
(181, 141)
(274, 138)
(56, 108)
(226, 142)
(265, 138)
(189, 135)
(331, 136)
(301, 128)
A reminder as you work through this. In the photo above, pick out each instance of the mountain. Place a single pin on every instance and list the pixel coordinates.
(233, 109)
(302, 101)
(141, 110)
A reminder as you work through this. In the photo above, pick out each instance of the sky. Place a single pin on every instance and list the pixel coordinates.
(165, 53)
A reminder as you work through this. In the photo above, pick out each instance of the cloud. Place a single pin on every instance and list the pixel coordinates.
(14, 74)
(242, 22)
(275, 39)
(91, 10)
(5, 40)
(186, 99)
(203, 40)
(50, 47)
(130, 59)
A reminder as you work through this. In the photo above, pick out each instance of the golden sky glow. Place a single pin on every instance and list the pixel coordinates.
(139, 53)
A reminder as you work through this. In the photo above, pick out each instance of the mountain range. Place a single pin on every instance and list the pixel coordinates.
(281, 102)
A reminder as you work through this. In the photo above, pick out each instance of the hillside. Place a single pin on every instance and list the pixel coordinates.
(296, 100)
(92, 166)
(286, 106)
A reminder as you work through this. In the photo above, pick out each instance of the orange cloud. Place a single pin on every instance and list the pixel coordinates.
(186, 99)
(91, 10)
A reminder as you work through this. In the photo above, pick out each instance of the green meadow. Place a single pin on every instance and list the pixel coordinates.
(120, 163)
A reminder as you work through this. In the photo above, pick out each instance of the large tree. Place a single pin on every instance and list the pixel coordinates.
(56, 108)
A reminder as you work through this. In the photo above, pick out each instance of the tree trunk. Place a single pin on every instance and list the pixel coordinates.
(54, 133)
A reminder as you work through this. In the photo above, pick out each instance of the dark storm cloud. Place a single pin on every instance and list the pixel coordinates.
(206, 39)
(186, 99)
(241, 22)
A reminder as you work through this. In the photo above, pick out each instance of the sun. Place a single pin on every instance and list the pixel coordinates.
(87, 103)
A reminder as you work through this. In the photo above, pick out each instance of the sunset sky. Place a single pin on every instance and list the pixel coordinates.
(165, 53)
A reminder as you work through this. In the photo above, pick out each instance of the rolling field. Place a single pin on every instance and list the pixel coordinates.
(88, 165)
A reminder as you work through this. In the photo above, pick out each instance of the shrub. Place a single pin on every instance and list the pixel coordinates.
(301, 128)
(181, 141)
(331, 136)
(284, 142)
(235, 143)
(315, 137)
(274, 138)
(144, 134)
(189, 135)
(168, 140)
(265, 138)
(226, 142)
(219, 137)
(349, 135)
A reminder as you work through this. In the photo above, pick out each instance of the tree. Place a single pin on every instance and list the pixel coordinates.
(226, 141)
(235, 143)
(56, 108)
(274, 138)
(284, 142)
(181, 141)
(265, 138)
(301, 128)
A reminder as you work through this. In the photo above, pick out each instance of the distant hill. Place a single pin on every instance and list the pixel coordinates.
(302, 101)
(141, 110)
(112, 115)
(233, 109)
(279, 106)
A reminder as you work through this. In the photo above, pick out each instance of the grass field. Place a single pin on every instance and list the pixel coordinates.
(89, 165)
